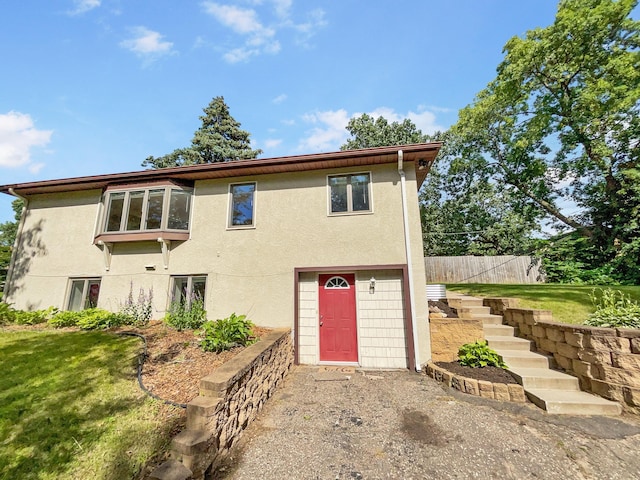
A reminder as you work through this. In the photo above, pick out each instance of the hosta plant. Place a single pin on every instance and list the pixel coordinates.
(478, 355)
(224, 334)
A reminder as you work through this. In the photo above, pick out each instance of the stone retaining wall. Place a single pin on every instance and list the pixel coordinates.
(449, 334)
(605, 360)
(505, 392)
(229, 400)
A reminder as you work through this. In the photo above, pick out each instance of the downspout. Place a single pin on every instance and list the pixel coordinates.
(14, 252)
(407, 247)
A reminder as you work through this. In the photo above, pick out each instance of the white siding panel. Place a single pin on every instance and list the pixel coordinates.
(307, 319)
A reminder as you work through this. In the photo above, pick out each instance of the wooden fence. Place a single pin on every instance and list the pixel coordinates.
(470, 269)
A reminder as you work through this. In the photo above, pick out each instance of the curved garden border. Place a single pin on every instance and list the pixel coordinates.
(481, 388)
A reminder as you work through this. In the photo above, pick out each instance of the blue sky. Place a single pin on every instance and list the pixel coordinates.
(95, 86)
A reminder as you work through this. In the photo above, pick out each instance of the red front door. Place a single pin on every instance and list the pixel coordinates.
(338, 335)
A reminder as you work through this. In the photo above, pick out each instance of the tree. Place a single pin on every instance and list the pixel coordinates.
(219, 139)
(8, 232)
(367, 132)
(560, 122)
(461, 215)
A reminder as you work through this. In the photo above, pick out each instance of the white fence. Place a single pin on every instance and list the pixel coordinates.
(471, 269)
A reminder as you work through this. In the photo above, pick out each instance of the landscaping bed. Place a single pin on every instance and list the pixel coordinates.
(489, 374)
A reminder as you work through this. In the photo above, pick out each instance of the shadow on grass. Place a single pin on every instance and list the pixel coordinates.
(59, 394)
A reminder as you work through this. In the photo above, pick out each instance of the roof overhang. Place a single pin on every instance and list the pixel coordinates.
(422, 155)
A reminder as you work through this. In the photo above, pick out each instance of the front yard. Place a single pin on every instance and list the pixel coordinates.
(70, 407)
(569, 303)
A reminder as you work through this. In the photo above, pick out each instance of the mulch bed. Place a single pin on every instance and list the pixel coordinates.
(175, 362)
(489, 374)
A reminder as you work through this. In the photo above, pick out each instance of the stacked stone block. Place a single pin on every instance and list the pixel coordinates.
(230, 398)
(606, 361)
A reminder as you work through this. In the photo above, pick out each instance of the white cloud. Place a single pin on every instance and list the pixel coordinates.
(329, 133)
(147, 44)
(272, 143)
(18, 136)
(329, 130)
(83, 6)
(279, 99)
(258, 37)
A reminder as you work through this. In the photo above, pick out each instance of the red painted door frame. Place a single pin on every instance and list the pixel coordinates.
(338, 336)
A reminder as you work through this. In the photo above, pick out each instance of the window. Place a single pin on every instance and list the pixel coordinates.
(241, 205)
(83, 293)
(164, 208)
(350, 193)
(336, 282)
(188, 288)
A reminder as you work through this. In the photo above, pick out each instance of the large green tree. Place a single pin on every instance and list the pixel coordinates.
(219, 139)
(461, 214)
(560, 123)
(8, 232)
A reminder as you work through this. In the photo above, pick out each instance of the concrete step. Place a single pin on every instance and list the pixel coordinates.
(508, 343)
(524, 359)
(494, 330)
(544, 378)
(572, 403)
(462, 311)
(487, 319)
(463, 301)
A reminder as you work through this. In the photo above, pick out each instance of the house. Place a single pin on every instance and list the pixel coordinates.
(328, 244)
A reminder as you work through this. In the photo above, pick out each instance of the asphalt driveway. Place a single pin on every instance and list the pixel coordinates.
(402, 425)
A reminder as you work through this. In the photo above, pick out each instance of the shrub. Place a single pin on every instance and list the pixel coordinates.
(478, 355)
(233, 331)
(34, 317)
(183, 316)
(89, 319)
(7, 313)
(613, 309)
(139, 311)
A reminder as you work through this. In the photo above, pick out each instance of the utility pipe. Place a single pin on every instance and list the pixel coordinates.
(14, 251)
(407, 247)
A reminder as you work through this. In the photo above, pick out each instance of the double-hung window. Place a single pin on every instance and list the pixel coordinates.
(242, 205)
(350, 193)
(188, 288)
(147, 209)
(83, 293)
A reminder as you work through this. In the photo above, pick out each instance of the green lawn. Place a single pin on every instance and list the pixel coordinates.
(569, 303)
(70, 407)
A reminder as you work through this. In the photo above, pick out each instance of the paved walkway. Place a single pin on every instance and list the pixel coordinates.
(401, 425)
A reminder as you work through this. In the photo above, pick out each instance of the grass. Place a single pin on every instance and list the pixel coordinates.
(569, 303)
(70, 407)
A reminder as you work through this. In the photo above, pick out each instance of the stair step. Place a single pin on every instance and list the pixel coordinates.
(523, 358)
(478, 310)
(544, 378)
(487, 319)
(494, 330)
(572, 402)
(508, 343)
(458, 302)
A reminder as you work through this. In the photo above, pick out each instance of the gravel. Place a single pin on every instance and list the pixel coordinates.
(346, 424)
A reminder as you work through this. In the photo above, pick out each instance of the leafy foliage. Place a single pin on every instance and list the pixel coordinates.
(219, 139)
(89, 319)
(184, 315)
(8, 232)
(224, 334)
(140, 310)
(369, 132)
(478, 355)
(613, 309)
(7, 314)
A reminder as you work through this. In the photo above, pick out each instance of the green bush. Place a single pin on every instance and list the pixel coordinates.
(183, 316)
(613, 309)
(89, 319)
(140, 310)
(34, 317)
(478, 355)
(7, 314)
(233, 331)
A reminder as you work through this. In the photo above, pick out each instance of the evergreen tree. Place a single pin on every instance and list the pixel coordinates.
(219, 139)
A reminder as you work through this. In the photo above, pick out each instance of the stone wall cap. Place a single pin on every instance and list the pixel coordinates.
(628, 332)
(171, 470)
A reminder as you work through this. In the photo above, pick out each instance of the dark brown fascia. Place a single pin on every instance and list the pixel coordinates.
(422, 154)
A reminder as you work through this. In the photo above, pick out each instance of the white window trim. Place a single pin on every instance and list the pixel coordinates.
(189, 278)
(85, 291)
(164, 224)
(350, 212)
(230, 209)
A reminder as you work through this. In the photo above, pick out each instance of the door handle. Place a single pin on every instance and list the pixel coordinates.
(321, 323)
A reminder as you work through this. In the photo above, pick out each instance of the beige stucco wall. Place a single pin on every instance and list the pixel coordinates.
(248, 271)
